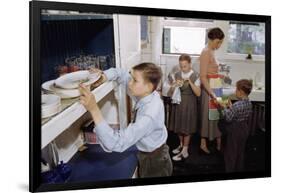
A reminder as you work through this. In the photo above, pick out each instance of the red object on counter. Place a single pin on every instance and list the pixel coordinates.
(62, 70)
(73, 68)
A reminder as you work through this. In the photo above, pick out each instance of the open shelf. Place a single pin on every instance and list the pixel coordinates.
(60, 122)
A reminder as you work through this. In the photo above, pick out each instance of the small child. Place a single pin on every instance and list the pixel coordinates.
(183, 116)
(236, 128)
(147, 131)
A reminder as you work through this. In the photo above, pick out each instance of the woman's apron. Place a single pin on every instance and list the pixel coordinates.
(215, 83)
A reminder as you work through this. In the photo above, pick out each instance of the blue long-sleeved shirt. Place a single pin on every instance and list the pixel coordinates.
(148, 132)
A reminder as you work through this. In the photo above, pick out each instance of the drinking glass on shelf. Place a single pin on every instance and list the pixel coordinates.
(102, 62)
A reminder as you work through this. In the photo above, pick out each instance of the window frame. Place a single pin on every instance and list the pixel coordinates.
(222, 52)
(239, 56)
(178, 22)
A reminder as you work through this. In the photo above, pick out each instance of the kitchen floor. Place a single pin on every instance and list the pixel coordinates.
(198, 163)
(113, 166)
(93, 164)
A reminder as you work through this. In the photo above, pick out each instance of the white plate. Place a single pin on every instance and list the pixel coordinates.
(50, 105)
(63, 93)
(50, 112)
(51, 108)
(72, 80)
(49, 100)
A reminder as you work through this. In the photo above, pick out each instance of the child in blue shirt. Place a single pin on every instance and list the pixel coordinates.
(147, 131)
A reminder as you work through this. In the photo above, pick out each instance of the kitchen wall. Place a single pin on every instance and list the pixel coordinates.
(240, 67)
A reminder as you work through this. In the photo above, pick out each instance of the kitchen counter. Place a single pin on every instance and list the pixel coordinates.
(256, 94)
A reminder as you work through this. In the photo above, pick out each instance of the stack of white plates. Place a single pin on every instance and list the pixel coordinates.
(67, 85)
(50, 105)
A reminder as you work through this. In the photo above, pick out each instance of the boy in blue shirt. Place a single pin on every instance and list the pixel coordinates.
(147, 131)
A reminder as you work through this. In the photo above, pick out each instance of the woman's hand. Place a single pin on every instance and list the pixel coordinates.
(213, 96)
(87, 99)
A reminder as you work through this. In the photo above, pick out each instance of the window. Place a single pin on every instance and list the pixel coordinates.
(185, 36)
(144, 31)
(246, 38)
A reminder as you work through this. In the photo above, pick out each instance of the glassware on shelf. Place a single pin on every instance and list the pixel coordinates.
(85, 62)
(102, 62)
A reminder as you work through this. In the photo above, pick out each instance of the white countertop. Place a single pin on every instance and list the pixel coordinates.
(256, 94)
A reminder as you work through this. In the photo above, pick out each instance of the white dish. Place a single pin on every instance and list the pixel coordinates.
(50, 112)
(63, 93)
(51, 108)
(50, 105)
(49, 100)
(72, 80)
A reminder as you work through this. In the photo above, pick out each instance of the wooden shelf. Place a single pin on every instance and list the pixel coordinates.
(59, 123)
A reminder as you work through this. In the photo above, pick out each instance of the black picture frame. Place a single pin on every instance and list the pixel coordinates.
(35, 8)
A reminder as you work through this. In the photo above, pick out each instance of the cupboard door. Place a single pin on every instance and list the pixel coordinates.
(127, 36)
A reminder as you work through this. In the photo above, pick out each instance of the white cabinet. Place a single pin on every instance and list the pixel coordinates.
(128, 47)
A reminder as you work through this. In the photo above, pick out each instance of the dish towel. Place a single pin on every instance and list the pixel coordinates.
(215, 82)
(176, 97)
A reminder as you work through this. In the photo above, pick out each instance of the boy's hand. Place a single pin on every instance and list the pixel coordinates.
(95, 70)
(229, 104)
(102, 79)
(87, 99)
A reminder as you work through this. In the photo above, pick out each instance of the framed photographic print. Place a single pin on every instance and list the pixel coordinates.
(127, 96)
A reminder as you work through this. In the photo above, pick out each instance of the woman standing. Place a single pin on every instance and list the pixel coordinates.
(211, 87)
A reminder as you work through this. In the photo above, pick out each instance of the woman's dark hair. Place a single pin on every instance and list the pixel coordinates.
(244, 85)
(185, 57)
(151, 73)
(215, 33)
